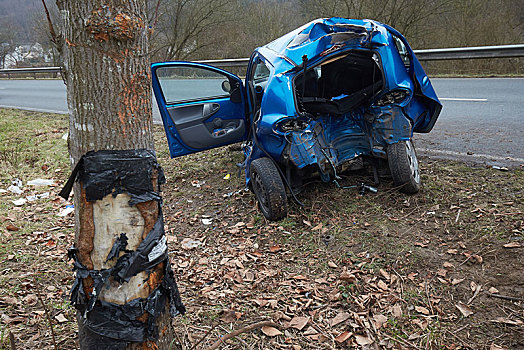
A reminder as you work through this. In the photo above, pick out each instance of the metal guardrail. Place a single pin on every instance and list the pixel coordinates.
(455, 53)
(459, 53)
(30, 70)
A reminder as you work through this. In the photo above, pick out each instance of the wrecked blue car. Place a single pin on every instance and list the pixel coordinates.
(331, 93)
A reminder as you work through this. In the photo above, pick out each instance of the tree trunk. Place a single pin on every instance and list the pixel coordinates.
(107, 73)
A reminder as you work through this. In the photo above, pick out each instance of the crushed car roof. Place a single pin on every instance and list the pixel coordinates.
(322, 36)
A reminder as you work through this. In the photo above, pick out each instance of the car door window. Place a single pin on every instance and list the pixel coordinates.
(260, 74)
(181, 84)
(402, 50)
(258, 77)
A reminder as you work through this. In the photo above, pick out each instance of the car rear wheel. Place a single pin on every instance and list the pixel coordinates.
(268, 188)
(403, 164)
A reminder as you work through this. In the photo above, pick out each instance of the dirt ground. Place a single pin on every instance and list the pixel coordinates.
(442, 269)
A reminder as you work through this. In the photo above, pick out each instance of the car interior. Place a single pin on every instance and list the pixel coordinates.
(198, 104)
(340, 84)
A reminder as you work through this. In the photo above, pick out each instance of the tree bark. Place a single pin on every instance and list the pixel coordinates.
(107, 73)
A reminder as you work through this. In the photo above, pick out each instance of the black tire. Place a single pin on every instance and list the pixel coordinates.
(268, 188)
(404, 167)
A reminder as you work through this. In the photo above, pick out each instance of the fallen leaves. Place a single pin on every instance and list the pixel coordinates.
(298, 322)
(275, 248)
(422, 310)
(302, 271)
(342, 337)
(464, 309)
(363, 340)
(9, 300)
(448, 265)
(230, 316)
(442, 272)
(382, 285)
(396, 310)
(347, 277)
(385, 274)
(456, 281)
(478, 258)
(512, 245)
(340, 317)
(13, 320)
(61, 318)
(380, 320)
(30, 299)
(493, 290)
(271, 331)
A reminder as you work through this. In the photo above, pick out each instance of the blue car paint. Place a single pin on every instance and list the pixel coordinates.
(319, 37)
(177, 147)
(330, 140)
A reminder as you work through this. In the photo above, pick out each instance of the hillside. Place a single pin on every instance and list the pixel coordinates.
(19, 15)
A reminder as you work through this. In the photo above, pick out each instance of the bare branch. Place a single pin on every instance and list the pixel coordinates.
(54, 37)
(47, 315)
(242, 330)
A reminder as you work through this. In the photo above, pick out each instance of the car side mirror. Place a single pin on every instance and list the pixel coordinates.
(226, 86)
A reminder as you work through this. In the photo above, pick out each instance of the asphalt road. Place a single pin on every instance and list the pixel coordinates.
(481, 121)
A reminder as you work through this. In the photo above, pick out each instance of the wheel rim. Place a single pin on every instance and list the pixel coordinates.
(260, 191)
(413, 162)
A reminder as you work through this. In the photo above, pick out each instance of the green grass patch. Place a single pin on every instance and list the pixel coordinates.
(31, 142)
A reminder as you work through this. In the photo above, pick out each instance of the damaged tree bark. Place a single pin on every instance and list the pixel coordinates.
(107, 73)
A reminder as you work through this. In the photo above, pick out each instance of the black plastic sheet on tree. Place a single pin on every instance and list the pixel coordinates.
(109, 325)
(114, 172)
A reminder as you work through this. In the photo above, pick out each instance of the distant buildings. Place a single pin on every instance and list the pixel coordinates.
(25, 55)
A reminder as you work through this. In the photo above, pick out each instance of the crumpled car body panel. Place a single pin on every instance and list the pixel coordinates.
(331, 91)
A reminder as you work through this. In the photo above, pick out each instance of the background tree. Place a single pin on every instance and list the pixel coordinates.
(41, 34)
(410, 17)
(183, 27)
(200, 29)
(104, 44)
(7, 39)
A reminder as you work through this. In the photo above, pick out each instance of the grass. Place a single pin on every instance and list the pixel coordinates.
(31, 147)
(386, 231)
(29, 142)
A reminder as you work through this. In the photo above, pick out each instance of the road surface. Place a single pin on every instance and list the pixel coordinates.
(481, 121)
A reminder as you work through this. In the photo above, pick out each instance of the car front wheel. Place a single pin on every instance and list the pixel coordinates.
(268, 188)
(403, 164)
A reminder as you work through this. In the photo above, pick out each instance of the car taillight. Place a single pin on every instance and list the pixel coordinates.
(393, 97)
(292, 124)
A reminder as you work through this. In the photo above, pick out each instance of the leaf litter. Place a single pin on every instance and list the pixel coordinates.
(384, 283)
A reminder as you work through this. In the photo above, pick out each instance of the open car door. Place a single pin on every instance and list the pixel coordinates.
(201, 106)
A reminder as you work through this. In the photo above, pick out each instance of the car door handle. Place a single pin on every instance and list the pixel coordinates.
(209, 109)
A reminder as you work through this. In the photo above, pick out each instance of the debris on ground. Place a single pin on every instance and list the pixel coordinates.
(440, 269)
(40, 182)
